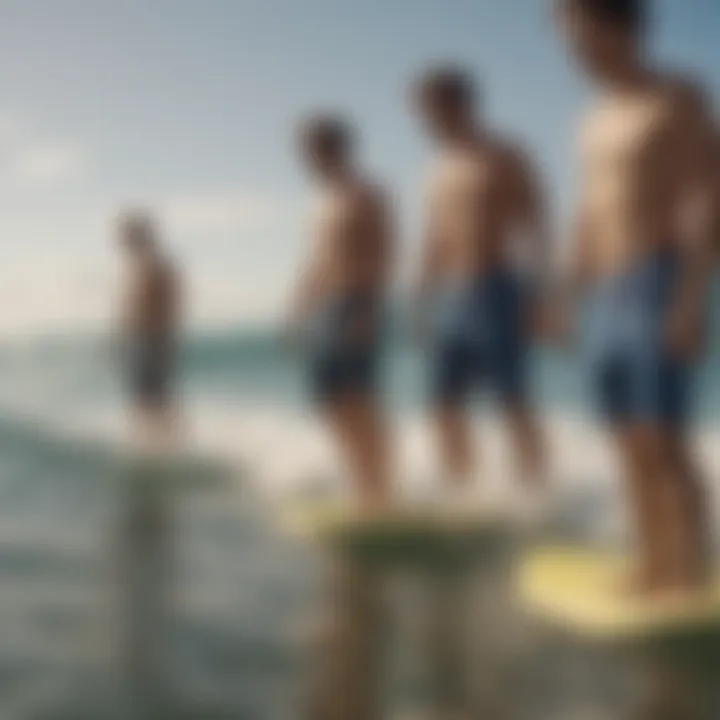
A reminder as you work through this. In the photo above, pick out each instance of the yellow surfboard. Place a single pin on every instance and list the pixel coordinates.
(578, 590)
(396, 535)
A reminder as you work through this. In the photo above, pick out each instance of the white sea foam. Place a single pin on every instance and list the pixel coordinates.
(236, 573)
(284, 452)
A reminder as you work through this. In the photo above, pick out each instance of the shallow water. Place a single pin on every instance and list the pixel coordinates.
(67, 522)
(239, 586)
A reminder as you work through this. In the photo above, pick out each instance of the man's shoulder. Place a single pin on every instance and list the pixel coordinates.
(594, 114)
(683, 85)
(683, 92)
(368, 192)
(514, 154)
(162, 271)
(170, 269)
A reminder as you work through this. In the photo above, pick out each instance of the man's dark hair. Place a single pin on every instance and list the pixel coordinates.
(447, 84)
(329, 134)
(137, 226)
(630, 14)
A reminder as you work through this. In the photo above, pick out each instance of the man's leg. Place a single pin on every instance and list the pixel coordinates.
(156, 426)
(686, 484)
(679, 524)
(357, 423)
(510, 364)
(628, 404)
(688, 498)
(642, 459)
(155, 417)
(455, 443)
(668, 504)
(528, 442)
(454, 368)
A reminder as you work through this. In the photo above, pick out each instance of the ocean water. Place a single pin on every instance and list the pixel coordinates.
(74, 509)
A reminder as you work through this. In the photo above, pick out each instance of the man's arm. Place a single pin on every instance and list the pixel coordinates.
(372, 243)
(716, 185)
(431, 251)
(580, 253)
(387, 231)
(302, 300)
(428, 276)
(581, 265)
(374, 247)
(126, 318)
(694, 143)
(176, 298)
(532, 218)
(429, 262)
(306, 287)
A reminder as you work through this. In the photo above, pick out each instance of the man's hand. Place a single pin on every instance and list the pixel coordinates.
(420, 322)
(548, 322)
(362, 329)
(687, 330)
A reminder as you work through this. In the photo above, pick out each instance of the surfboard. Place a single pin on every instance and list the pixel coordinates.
(398, 535)
(578, 590)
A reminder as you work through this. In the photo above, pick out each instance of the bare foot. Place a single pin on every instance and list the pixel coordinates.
(643, 585)
(699, 574)
(640, 583)
(374, 505)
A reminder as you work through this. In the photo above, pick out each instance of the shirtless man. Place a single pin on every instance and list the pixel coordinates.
(645, 253)
(340, 299)
(485, 206)
(149, 324)
(716, 165)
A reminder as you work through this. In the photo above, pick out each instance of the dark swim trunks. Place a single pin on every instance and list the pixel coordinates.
(637, 377)
(481, 339)
(345, 348)
(151, 371)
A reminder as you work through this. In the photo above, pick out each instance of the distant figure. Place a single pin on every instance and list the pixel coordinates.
(339, 303)
(486, 216)
(716, 166)
(149, 336)
(149, 324)
(645, 257)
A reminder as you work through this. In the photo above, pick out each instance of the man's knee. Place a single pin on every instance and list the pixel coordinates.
(644, 448)
(451, 417)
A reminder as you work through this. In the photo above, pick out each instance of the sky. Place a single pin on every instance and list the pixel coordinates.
(188, 107)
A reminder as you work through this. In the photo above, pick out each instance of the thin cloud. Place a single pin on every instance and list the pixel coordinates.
(60, 268)
(54, 292)
(11, 129)
(48, 163)
(217, 213)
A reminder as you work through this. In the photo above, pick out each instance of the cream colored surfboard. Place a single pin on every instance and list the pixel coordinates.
(580, 590)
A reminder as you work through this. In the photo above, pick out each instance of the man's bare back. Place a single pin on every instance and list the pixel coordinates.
(152, 299)
(635, 154)
(350, 254)
(480, 197)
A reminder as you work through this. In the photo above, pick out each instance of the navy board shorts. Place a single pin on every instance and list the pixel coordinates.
(151, 371)
(637, 377)
(481, 340)
(345, 348)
